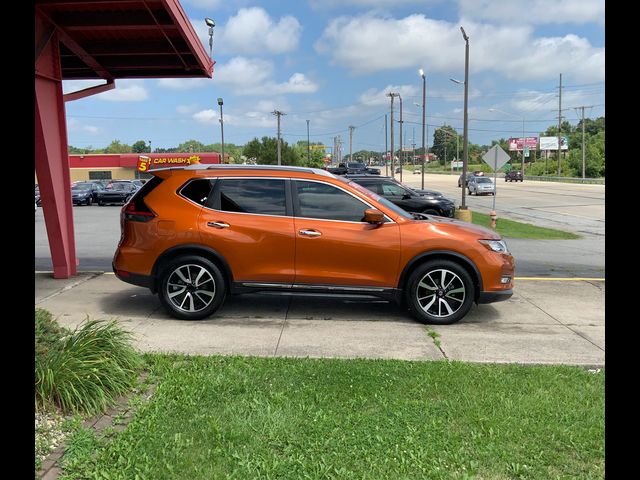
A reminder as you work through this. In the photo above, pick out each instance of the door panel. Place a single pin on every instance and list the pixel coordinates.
(333, 245)
(249, 222)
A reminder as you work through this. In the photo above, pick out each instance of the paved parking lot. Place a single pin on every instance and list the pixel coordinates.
(545, 322)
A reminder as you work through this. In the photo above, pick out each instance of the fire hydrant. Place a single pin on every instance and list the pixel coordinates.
(494, 217)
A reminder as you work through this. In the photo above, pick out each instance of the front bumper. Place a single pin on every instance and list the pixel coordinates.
(492, 297)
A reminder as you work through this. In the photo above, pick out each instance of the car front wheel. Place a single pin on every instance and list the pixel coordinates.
(191, 287)
(439, 292)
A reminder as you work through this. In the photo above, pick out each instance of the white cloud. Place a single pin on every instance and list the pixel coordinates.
(247, 76)
(93, 130)
(534, 11)
(371, 43)
(373, 97)
(126, 91)
(204, 4)
(206, 116)
(318, 4)
(252, 30)
(183, 83)
(187, 108)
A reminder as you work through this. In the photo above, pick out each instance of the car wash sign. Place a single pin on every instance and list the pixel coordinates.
(146, 163)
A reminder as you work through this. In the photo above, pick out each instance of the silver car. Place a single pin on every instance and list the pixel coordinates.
(481, 186)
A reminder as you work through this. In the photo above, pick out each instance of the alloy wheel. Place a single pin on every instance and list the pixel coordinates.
(440, 293)
(190, 288)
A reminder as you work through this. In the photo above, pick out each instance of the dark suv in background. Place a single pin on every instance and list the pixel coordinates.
(513, 176)
(423, 201)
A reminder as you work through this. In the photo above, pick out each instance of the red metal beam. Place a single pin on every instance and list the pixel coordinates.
(52, 161)
(86, 92)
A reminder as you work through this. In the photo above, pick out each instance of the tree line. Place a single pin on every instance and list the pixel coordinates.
(446, 144)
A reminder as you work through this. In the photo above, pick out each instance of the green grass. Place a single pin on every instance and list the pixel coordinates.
(284, 418)
(514, 229)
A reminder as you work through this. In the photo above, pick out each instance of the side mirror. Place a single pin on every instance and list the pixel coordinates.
(371, 215)
(406, 196)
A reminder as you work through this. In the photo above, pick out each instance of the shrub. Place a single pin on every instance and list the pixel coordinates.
(48, 332)
(86, 370)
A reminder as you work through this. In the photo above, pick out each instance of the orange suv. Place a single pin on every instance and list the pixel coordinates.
(196, 234)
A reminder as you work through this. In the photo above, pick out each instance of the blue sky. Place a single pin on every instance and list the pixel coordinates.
(333, 61)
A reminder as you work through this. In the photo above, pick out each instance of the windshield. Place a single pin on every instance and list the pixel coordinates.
(355, 165)
(483, 180)
(81, 186)
(119, 186)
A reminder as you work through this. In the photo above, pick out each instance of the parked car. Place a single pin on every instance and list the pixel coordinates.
(118, 191)
(426, 201)
(37, 196)
(476, 173)
(481, 186)
(194, 236)
(85, 193)
(513, 176)
(353, 168)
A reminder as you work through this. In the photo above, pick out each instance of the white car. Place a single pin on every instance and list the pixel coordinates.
(481, 186)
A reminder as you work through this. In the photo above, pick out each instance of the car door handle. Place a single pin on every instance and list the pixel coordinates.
(218, 224)
(309, 233)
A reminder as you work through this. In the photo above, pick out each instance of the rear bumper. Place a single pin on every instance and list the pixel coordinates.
(146, 281)
(492, 297)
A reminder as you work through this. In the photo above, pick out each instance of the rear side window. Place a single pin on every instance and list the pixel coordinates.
(197, 190)
(253, 195)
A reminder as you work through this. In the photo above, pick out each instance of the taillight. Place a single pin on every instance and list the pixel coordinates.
(137, 211)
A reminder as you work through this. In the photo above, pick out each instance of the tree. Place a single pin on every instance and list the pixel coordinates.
(444, 138)
(117, 147)
(140, 147)
(265, 152)
(317, 155)
(191, 146)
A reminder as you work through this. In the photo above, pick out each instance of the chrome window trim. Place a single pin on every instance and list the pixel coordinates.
(243, 177)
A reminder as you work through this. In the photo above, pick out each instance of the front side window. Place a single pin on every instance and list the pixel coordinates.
(263, 196)
(319, 200)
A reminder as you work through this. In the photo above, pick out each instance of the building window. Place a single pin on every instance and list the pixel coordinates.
(100, 175)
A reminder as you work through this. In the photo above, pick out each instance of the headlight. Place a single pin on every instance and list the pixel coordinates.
(499, 246)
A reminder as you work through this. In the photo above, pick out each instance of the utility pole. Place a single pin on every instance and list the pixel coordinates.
(424, 101)
(351, 127)
(559, 121)
(386, 147)
(465, 151)
(583, 151)
(401, 165)
(308, 145)
(413, 147)
(393, 170)
(278, 114)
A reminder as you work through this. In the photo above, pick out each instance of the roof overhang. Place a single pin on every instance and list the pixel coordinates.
(124, 39)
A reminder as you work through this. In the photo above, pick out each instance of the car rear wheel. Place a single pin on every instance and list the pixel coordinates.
(191, 287)
(431, 212)
(439, 292)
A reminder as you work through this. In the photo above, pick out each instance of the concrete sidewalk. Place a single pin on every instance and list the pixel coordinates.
(545, 322)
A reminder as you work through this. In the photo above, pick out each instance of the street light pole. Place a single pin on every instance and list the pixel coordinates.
(221, 132)
(308, 145)
(393, 169)
(465, 151)
(424, 98)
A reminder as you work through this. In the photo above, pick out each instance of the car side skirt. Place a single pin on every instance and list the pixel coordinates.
(302, 288)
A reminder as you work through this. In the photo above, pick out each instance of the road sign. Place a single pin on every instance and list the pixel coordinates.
(496, 157)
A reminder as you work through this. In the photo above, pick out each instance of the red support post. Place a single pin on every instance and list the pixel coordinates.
(52, 160)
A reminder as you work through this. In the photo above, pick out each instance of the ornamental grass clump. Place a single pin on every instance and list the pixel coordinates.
(87, 369)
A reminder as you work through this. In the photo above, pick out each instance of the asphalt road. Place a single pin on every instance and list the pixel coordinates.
(572, 207)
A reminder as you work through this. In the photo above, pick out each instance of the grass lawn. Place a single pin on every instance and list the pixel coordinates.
(284, 418)
(513, 229)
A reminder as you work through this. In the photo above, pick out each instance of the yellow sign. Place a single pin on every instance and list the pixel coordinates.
(144, 162)
(317, 147)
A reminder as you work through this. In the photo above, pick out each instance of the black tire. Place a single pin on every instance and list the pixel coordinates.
(180, 298)
(89, 201)
(456, 298)
(100, 203)
(470, 191)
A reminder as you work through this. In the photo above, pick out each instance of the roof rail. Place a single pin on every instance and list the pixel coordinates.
(286, 168)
